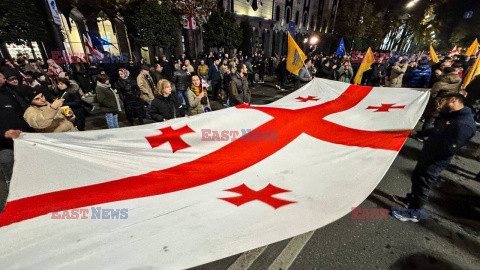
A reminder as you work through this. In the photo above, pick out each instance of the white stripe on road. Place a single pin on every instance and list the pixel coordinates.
(247, 258)
(290, 252)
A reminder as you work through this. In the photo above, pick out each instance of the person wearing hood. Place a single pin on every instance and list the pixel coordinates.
(109, 100)
(166, 106)
(130, 94)
(419, 77)
(47, 117)
(73, 99)
(397, 73)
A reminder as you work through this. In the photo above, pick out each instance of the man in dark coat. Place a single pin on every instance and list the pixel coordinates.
(452, 131)
(12, 108)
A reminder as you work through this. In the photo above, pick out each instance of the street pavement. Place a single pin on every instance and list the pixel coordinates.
(448, 239)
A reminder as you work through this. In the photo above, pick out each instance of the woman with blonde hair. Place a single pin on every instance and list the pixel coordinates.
(166, 106)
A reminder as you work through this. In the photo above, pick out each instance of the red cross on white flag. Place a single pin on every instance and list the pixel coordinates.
(200, 199)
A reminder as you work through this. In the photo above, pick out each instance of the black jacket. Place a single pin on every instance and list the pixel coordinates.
(12, 107)
(166, 108)
(450, 132)
(326, 72)
(127, 88)
(180, 79)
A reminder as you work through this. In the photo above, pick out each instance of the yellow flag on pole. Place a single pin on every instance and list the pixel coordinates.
(295, 56)
(473, 49)
(474, 71)
(367, 61)
(433, 54)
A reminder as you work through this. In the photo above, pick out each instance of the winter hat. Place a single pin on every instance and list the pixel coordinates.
(422, 62)
(30, 95)
(404, 61)
(145, 67)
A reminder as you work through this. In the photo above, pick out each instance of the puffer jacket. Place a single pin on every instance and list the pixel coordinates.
(396, 75)
(419, 77)
(448, 83)
(166, 108)
(180, 79)
(238, 91)
(108, 98)
(48, 120)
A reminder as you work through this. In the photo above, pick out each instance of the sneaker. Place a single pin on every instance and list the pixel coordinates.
(277, 86)
(398, 215)
(93, 108)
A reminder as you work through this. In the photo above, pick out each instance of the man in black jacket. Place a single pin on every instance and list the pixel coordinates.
(12, 107)
(182, 82)
(452, 130)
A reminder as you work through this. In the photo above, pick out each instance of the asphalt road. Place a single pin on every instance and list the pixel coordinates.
(448, 239)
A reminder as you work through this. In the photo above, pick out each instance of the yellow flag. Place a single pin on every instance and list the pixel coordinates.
(367, 61)
(474, 71)
(473, 49)
(295, 56)
(433, 54)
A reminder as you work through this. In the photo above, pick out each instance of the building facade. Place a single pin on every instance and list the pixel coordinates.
(270, 20)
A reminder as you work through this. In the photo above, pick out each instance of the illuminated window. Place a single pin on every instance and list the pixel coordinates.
(71, 37)
(105, 30)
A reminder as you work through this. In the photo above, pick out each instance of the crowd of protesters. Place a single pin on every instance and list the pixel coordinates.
(50, 97)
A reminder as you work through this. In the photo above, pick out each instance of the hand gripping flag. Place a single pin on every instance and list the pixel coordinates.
(295, 56)
(433, 55)
(473, 49)
(185, 192)
(367, 62)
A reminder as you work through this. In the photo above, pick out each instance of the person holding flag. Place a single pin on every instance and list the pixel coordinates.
(295, 61)
(367, 62)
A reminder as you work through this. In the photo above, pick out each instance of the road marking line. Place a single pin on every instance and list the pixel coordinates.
(247, 258)
(290, 252)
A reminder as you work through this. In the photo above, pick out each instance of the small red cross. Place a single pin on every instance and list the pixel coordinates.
(385, 107)
(302, 99)
(171, 136)
(263, 195)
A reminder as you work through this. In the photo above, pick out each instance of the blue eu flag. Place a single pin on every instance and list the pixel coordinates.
(341, 48)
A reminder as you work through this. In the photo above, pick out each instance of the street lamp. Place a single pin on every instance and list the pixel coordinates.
(313, 40)
(412, 3)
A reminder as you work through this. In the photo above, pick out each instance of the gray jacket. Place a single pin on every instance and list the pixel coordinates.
(303, 75)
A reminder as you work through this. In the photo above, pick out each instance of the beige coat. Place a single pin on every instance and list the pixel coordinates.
(146, 92)
(196, 107)
(396, 77)
(48, 120)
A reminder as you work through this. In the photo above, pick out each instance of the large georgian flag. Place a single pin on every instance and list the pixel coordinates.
(185, 201)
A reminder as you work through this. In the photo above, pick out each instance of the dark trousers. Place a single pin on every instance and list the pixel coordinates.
(6, 165)
(215, 88)
(182, 96)
(251, 77)
(424, 179)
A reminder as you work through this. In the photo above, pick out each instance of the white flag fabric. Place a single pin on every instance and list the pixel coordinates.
(185, 192)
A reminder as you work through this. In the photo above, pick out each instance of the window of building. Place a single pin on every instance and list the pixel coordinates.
(71, 37)
(297, 15)
(277, 13)
(287, 15)
(105, 30)
(305, 20)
